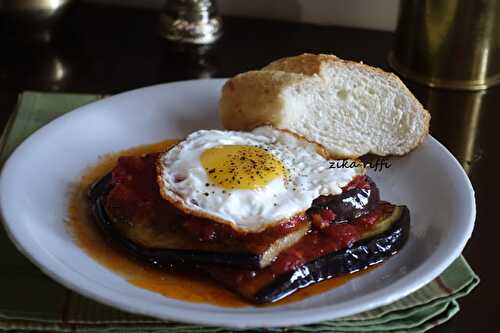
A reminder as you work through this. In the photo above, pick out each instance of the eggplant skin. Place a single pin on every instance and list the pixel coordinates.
(352, 203)
(359, 256)
(349, 204)
(164, 257)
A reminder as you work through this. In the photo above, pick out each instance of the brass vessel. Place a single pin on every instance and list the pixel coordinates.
(451, 44)
(460, 132)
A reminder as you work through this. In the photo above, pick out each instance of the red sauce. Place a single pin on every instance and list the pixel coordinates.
(189, 287)
(135, 198)
(134, 195)
(357, 182)
(329, 239)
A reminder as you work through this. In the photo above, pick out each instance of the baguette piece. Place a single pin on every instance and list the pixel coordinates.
(349, 108)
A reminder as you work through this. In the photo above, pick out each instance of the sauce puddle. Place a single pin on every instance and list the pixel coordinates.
(180, 286)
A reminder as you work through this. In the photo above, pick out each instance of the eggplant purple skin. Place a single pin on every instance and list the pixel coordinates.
(350, 204)
(359, 256)
(163, 257)
(347, 205)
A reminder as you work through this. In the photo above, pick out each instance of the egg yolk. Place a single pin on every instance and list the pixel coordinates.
(241, 167)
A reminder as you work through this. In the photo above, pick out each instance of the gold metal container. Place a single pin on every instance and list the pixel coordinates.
(451, 44)
(459, 133)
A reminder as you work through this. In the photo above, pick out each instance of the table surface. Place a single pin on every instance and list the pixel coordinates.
(103, 49)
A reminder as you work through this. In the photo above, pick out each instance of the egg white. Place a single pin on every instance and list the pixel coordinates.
(183, 180)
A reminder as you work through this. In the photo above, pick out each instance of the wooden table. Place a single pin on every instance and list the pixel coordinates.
(102, 49)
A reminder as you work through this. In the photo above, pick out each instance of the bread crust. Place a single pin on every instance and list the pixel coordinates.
(252, 99)
(255, 98)
(306, 64)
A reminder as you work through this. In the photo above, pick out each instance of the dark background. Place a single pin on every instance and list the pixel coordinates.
(106, 50)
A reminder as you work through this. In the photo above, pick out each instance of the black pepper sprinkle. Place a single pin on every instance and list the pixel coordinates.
(254, 164)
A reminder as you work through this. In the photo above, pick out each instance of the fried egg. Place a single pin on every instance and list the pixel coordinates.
(248, 180)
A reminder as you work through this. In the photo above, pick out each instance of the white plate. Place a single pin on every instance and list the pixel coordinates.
(35, 180)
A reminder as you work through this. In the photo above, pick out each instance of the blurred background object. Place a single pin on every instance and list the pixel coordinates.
(32, 18)
(369, 14)
(191, 21)
(35, 40)
(448, 43)
(198, 59)
(457, 118)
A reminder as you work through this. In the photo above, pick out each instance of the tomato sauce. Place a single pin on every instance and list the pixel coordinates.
(135, 199)
(190, 287)
(334, 237)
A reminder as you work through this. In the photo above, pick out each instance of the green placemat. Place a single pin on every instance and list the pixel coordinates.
(30, 301)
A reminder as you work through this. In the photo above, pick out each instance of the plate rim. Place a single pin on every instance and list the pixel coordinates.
(62, 273)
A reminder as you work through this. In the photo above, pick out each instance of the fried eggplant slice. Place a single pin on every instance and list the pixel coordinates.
(358, 198)
(169, 242)
(172, 247)
(377, 245)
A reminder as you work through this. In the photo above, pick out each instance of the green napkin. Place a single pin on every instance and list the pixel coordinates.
(30, 301)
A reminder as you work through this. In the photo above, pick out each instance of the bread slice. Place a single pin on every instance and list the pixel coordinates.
(349, 108)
